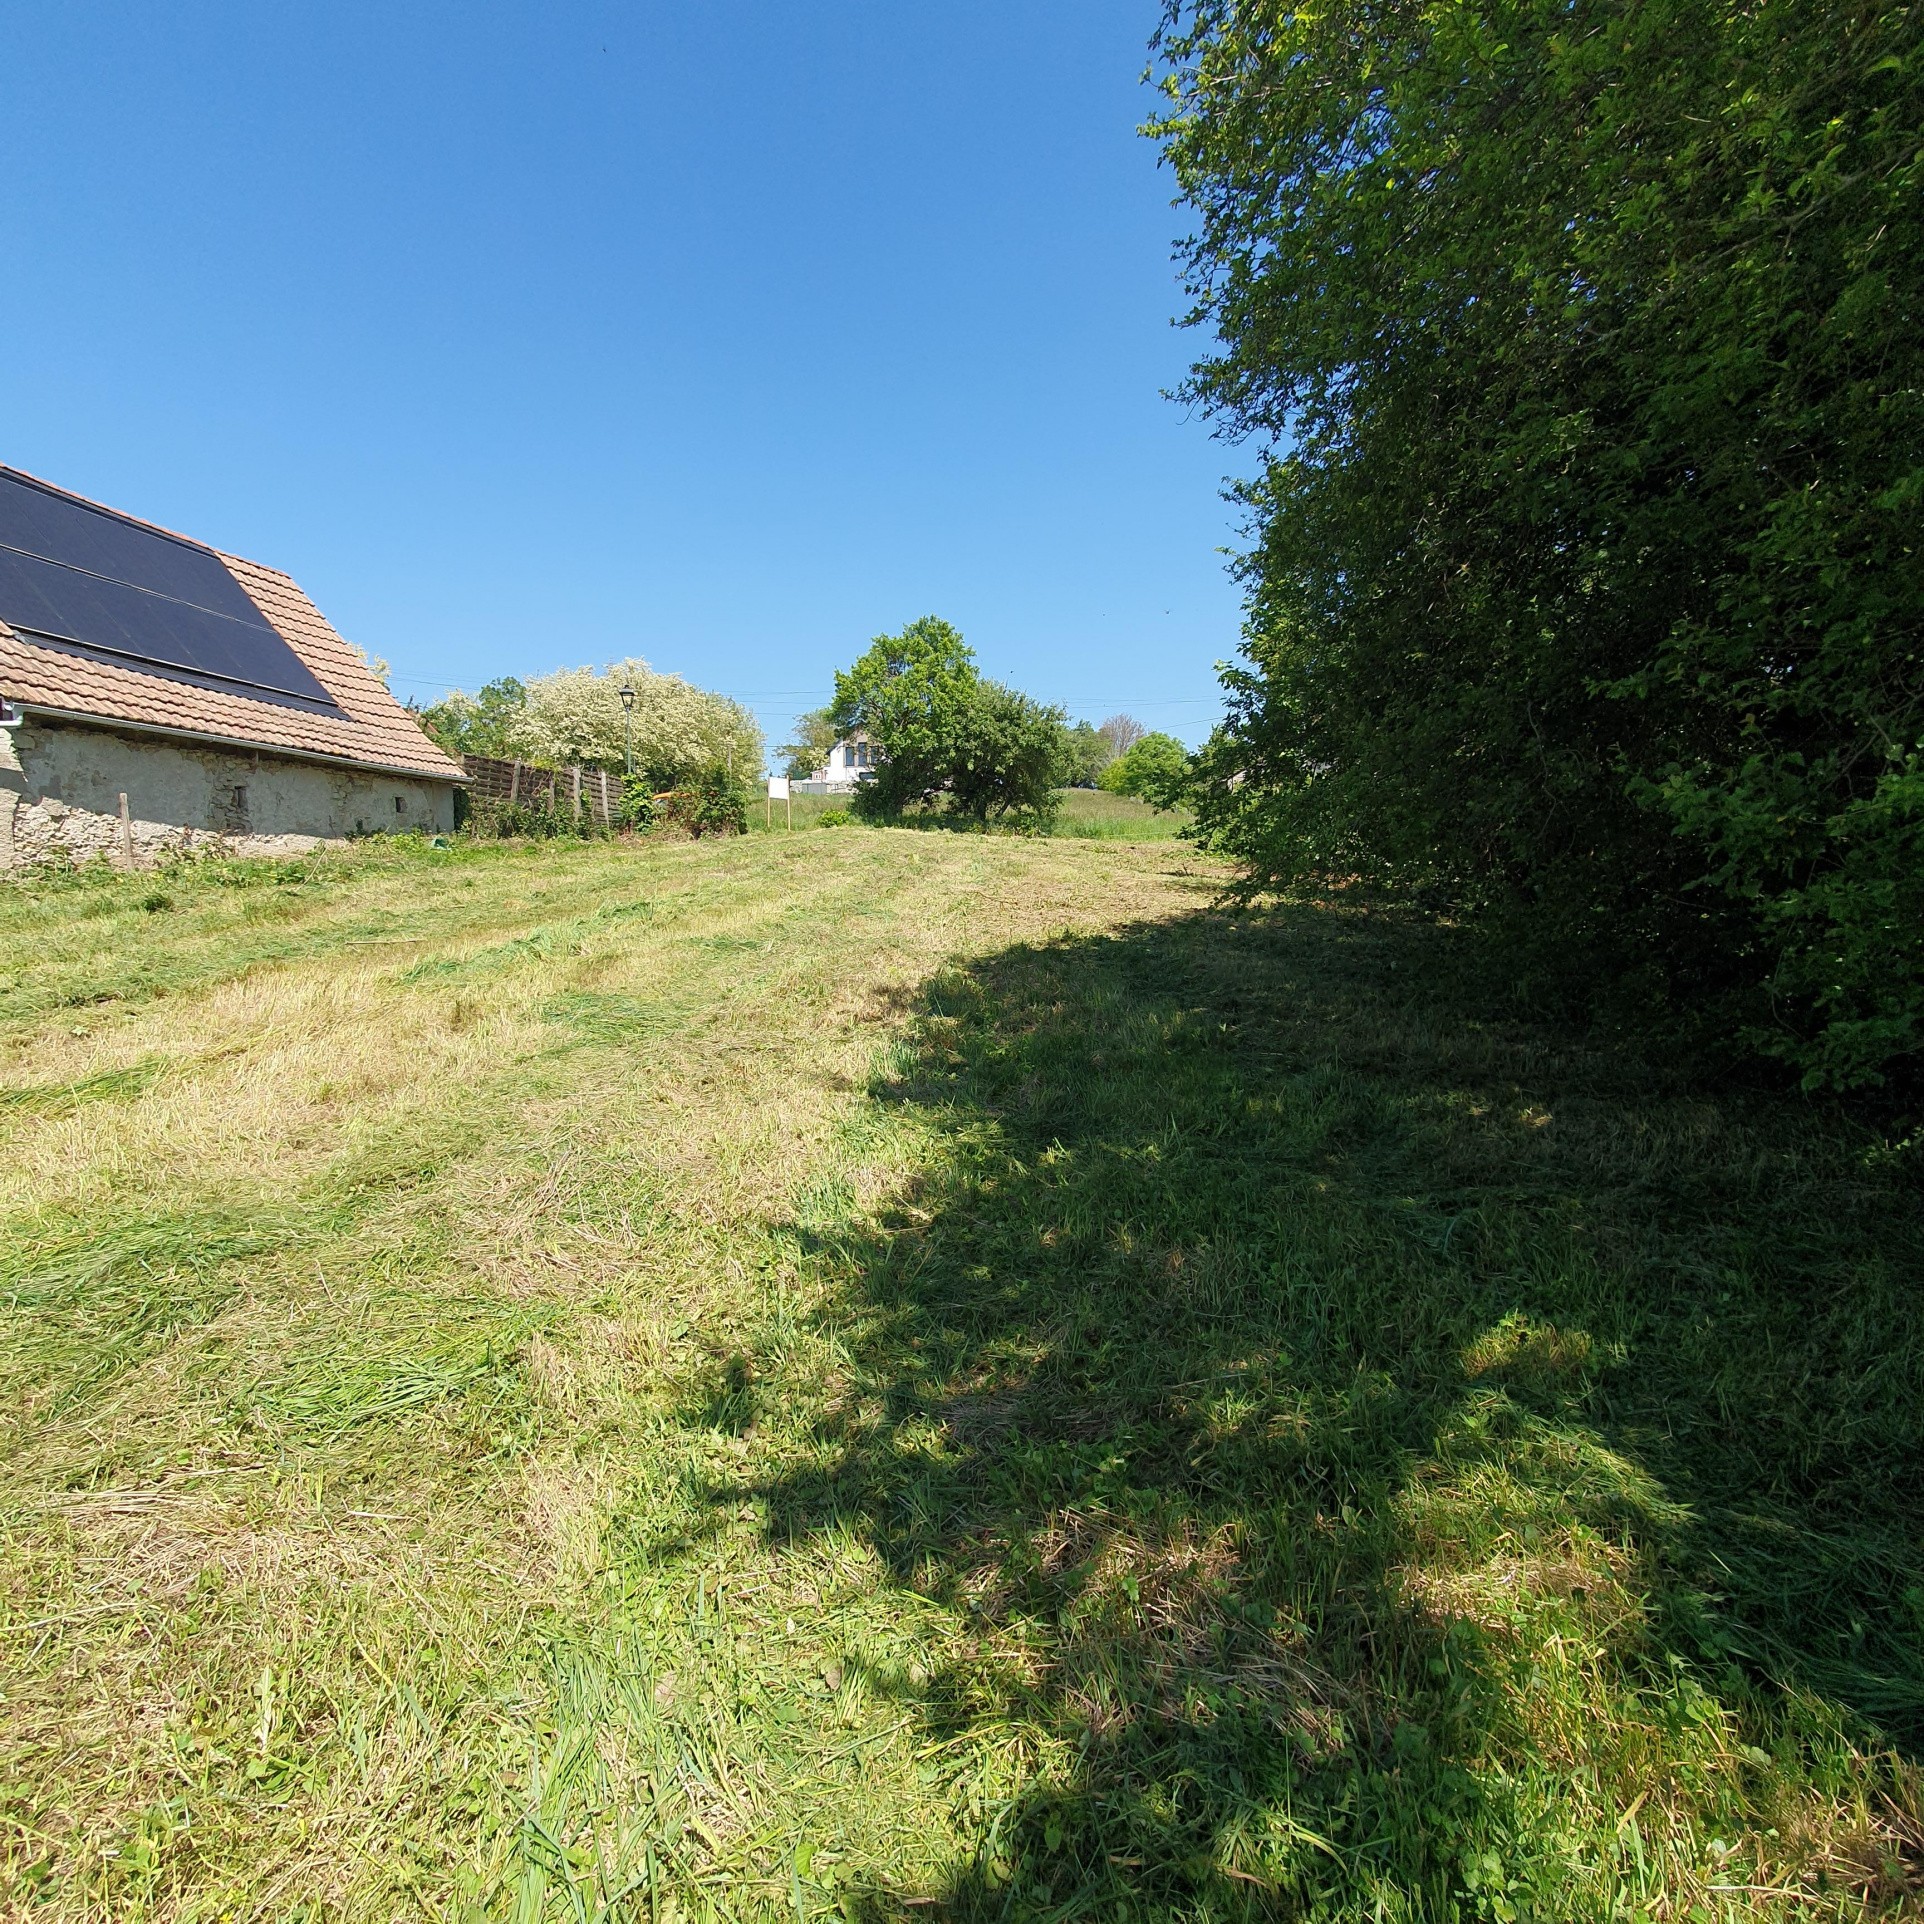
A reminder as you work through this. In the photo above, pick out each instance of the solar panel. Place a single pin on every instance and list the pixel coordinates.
(85, 576)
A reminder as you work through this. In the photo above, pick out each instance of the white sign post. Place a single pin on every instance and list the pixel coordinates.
(778, 792)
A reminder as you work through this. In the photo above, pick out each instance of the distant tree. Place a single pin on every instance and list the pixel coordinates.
(1155, 769)
(908, 694)
(1009, 756)
(815, 739)
(475, 724)
(679, 730)
(1089, 754)
(1122, 733)
(946, 737)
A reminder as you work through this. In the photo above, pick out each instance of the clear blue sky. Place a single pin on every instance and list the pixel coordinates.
(525, 336)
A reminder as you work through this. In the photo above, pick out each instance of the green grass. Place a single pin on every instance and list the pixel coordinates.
(877, 1372)
(1091, 814)
(1083, 814)
(804, 811)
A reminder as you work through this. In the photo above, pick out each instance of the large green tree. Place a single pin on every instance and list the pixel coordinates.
(1580, 338)
(907, 694)
(1009, 756)
(945, 737)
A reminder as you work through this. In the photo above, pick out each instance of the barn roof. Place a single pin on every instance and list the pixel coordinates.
(359, 722)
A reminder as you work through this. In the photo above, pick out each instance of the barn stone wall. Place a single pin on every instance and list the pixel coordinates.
(61, 786)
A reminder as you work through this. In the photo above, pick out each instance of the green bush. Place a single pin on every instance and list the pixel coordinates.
(1586, 593)
(1154, 769)
(714, 803)
(639, 810)
(1008, 756)
(483, 724)
(538, 820)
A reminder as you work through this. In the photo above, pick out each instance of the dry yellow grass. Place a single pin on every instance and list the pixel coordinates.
(354, 1294)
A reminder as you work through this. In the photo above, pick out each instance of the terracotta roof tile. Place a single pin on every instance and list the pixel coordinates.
(371, 728)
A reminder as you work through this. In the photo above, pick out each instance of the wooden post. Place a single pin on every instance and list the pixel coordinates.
(607, 813)
(126, 832)
(574, 780)
(514, 783)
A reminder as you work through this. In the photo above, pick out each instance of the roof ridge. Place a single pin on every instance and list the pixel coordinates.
(101, 507)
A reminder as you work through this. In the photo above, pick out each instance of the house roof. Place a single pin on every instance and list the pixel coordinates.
(367, 726)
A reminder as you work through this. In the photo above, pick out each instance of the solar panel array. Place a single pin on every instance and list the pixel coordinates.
(85, 576)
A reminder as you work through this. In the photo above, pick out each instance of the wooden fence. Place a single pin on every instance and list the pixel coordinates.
(590, 793)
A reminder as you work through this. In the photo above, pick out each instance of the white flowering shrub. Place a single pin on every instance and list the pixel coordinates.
(679, 729)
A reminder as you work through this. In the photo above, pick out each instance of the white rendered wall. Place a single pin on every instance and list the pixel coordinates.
(61, 784)
(840, 776)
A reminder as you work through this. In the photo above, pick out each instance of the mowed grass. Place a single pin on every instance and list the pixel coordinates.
(878, 1373)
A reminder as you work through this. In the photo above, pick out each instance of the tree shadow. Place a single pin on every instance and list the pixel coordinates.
(1369, 1443)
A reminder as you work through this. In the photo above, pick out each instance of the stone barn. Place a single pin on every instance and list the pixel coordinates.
(161, 695)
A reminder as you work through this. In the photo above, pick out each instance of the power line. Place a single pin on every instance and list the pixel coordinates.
(798, 694)
(817, 696)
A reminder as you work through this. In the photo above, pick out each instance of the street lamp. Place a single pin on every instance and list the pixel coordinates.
(628, 726)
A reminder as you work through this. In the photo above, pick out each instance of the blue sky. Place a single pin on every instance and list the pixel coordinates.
(525, 336)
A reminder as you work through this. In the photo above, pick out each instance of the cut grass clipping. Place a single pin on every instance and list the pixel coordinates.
(877, 1371)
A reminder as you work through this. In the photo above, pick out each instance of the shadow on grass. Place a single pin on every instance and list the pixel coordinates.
(1371, 1447)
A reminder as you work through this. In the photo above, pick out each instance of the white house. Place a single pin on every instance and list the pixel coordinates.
(849, 764)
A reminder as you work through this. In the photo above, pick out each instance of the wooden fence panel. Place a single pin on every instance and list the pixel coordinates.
(493, 780)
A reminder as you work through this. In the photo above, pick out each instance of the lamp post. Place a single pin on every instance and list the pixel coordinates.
(628, 727)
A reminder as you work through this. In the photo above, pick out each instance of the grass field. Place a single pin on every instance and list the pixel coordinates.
(800, 811)
(1089, 814)
(1083, 814)
(875, 1373)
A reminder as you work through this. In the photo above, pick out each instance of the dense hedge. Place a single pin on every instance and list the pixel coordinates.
(1584, 341)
